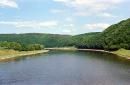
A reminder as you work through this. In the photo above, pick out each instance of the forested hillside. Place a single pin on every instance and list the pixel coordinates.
(113, 38)
(48, 40)
(88, 40)
(117, 36)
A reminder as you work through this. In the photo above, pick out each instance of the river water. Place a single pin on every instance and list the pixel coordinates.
(66, 68)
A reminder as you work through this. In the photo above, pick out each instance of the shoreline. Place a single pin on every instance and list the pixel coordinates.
(21, 54)
(63, 48)
(110, 52)
(94, 50)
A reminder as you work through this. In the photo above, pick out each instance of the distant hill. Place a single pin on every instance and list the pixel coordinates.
(87, 40)
(114, 37)
(49, 40)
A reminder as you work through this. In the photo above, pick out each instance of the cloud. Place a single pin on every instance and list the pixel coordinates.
(69, 19)
(93, 4)
(82, 13)
(30, 24)
(68, 28)
(107, 15)
(89, 7)
(61, 0)
(69, 25)
(96, 26)
(8, 3)
(56, 11)
(68, 31)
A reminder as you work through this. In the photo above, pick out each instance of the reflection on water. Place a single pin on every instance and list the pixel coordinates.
(66, 68)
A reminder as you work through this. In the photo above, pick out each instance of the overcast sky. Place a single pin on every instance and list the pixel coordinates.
(61, 16)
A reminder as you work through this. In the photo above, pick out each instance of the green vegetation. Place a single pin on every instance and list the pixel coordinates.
(48, 40)
(20, 47)
(35, 47)
(10, 45)
(88, 41)
(117, 36)
(123, 52)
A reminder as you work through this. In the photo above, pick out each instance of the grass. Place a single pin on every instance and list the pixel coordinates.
(123, 52)
(8, 54)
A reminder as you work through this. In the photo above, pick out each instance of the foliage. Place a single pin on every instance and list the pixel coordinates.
(18, 46)
(48, 40)
(88, 41)
(11, 45)
(117, 36)
(32, 47)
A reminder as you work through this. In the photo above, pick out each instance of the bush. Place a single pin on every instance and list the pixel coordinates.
(19, 47)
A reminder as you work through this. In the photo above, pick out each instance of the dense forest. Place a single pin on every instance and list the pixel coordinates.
(113, 38)
(88, 41)
(48, 40)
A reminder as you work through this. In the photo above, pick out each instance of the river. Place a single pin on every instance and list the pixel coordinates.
(66, 68)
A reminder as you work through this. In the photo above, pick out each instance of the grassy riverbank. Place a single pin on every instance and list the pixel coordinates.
(123, 53)
(10, 54)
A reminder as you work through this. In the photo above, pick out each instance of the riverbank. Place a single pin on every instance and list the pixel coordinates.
(12, 54)
(62, 48)
(97, 50)
(121, 52)
(75, 49)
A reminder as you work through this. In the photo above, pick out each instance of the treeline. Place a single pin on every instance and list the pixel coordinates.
(20, 47)
(48, 40)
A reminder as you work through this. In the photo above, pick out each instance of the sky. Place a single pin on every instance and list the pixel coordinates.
(61, 16)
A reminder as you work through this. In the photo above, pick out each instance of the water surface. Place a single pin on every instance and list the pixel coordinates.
(66, 68)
